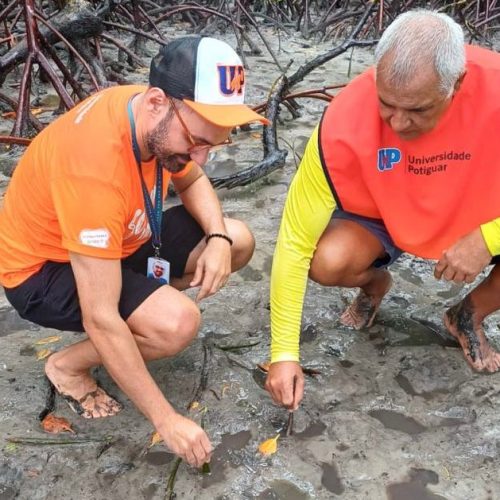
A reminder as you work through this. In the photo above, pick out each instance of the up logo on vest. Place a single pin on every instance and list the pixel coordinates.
(387, 158)
(231, 79)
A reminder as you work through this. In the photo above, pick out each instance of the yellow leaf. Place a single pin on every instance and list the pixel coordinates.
(43, 354)
(155, 439)
(447, 472)
(194, 405)
(269, 446)
(264, 366)
(225, 388)
(48, 340)
(256, 135)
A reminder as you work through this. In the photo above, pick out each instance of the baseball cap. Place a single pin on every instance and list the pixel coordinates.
(208, 76)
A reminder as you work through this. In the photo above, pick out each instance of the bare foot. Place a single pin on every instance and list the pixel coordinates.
(81, 392)
(363, 309)
(459, 320)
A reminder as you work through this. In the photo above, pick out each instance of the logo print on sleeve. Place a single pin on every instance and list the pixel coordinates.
(231, 79)
(387, 158)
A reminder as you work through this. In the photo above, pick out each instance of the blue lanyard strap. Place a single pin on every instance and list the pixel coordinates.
(154, 213)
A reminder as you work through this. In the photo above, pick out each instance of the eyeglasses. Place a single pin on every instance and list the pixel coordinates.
(196, 147)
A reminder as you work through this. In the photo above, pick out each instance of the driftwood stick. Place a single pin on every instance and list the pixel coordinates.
(7, 9)
(136, 31)
(54, 441)
(34, 121)
(274, 158)
(196, 8)
(151, 22)
(63, 68)
(207, 356)
(24, 93)
(9, 139)
(255, 25)
(350, 41)
(81, 23)
(125, 49)
(70, 48)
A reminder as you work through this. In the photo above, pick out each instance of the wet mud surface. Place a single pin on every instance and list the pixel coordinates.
(395, 412)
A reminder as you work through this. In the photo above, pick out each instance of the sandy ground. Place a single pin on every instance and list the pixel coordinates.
(395, 412)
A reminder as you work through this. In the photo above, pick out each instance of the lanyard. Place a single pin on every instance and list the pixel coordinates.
(154, 213)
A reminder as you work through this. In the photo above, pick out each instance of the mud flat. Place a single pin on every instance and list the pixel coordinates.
(395, 413)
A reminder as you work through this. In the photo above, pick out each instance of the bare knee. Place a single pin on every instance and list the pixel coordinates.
(334, 268)
(243, 243)
(165, 333)
(345, 254)
(330, 272)
(182, 328)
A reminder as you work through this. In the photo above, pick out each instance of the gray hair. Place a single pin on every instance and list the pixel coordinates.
(417, 37)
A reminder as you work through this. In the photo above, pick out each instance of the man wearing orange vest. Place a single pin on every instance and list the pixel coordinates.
(82, 226)
(405, 157)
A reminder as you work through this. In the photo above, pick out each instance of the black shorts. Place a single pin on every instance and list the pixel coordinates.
(378, 229)
(49, 297)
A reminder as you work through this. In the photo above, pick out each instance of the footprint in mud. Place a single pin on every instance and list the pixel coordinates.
(223, 455)
(397, 422)
(415, 488)
(331, 479)
(159, 457)
(314, 429)
(281, 490)
(407, 386)
(404, 331)
(310, 332)
(108, 473)
(346, 363)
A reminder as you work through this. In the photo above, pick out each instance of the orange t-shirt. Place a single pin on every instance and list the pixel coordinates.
(77, 188)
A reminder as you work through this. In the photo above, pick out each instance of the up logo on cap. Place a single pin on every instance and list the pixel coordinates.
(231, 79)
(387, 158)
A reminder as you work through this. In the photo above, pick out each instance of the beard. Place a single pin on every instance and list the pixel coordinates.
(155, 141)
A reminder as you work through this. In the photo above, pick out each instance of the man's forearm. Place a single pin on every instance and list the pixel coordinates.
(307, 212)
(202, 203)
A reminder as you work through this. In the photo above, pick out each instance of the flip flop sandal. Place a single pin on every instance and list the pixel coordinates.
(77, 404)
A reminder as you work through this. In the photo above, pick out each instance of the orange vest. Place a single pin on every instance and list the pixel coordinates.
(429, 191)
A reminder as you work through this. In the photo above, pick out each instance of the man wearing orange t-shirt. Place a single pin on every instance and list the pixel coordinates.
(405, 159)
(82, 223)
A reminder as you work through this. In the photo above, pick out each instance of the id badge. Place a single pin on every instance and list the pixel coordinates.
(159, 269)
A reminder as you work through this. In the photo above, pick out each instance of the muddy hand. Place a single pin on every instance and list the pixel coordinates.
(186, 439)
(285, 383)
(464, 260)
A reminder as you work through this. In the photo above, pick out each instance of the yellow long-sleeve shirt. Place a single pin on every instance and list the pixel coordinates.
(308, 210)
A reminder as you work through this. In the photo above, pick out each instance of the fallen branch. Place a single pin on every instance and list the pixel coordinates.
(205, 369)
(10, 139)
(274, 158)
(34, 441)
(170, 493)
